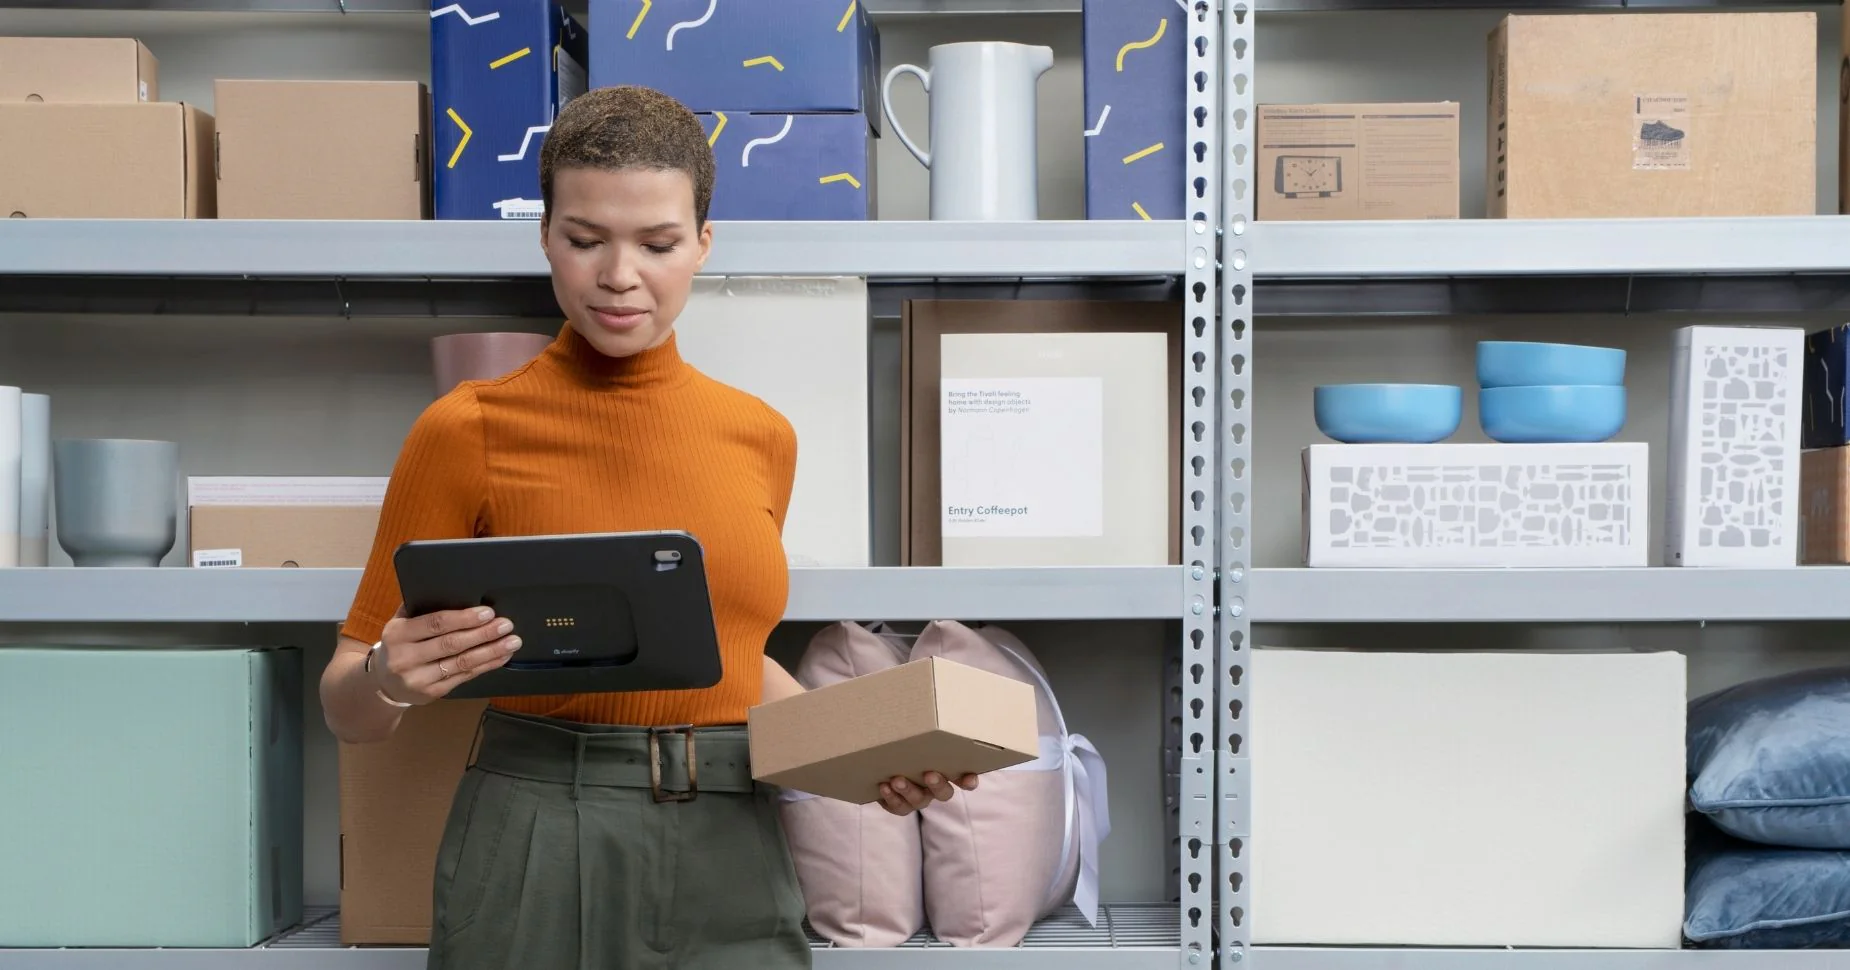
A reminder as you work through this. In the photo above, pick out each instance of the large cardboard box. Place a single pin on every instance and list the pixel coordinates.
(1731, 490)
(82, 70)
(106, 161)
(1442, 505)
(1045, 485)
(152, 798)
(1824, 481)
(1508, 799)
(1653, 114)
(394, 802)
(1358, 161)
(1136, 81)
(843, 740)
(791, 167)
(783, 57)
(322, 150)
(497, 83)
(280, 521)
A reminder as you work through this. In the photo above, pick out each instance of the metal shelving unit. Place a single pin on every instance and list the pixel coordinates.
(179, 595)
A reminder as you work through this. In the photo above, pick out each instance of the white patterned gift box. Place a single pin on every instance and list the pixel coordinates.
(1732, 484)
(1477, 505)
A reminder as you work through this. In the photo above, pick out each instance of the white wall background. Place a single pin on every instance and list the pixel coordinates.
(327, 396)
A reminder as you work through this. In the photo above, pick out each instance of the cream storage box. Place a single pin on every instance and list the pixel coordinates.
(1571, 505)
(1467, 799)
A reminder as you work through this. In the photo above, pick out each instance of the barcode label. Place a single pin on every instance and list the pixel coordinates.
(217, 558)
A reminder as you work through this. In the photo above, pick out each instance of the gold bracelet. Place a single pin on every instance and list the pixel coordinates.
(367, 668)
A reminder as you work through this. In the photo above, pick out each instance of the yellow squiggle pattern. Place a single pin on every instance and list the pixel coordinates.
(767, 59)
(713, 139)
(637, 25)
(1139, 207)
(499, 63)
(1146, 153)
(1138, 45)
(847, 177)
(847, 16)
(468, 133)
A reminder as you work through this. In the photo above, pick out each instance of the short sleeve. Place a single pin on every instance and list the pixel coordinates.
(438, 490)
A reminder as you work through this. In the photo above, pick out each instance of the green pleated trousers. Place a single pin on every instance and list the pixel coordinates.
(559, 855)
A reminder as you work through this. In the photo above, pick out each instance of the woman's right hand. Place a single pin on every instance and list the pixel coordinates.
(421, 659)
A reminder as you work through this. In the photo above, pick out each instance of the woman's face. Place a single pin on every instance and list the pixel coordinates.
(624, 252)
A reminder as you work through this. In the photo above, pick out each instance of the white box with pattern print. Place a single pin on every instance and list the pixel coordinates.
(1562, 505)
(1732, 488)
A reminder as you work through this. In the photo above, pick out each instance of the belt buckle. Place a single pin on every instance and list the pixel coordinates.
(655, 765)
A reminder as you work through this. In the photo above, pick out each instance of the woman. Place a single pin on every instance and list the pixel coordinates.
(558, 852)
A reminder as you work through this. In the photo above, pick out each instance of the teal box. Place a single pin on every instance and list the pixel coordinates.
(149, 798)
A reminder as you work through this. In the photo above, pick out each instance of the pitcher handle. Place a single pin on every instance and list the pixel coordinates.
(886, 102)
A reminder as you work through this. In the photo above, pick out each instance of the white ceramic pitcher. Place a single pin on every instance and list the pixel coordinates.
(983, 133)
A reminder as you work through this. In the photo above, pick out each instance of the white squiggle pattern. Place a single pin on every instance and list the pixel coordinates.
(457, 9)
(745, 159)
(525, 141)
(1099, 128)
(712, 5)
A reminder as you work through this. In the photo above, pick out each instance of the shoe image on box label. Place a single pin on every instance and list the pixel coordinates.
(1660, 133)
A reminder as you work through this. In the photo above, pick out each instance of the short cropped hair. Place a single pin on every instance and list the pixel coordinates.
(616, 128)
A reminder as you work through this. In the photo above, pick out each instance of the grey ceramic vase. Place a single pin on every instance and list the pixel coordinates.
(459, 357)
(116, 499)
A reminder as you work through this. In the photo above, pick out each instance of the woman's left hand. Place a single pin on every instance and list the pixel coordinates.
(903, 796)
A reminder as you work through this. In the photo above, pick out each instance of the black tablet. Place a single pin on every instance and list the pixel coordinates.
(600, 612)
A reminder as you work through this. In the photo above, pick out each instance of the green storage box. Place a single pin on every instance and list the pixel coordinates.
(149, 797)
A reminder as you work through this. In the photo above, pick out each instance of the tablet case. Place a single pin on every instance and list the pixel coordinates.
(596, 613)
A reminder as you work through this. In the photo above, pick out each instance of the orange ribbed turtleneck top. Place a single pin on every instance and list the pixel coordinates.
(576, 441)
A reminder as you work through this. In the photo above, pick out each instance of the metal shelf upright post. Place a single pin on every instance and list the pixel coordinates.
(1201, 514)
(1235, 474)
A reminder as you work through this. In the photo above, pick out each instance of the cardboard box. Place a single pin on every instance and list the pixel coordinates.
(1477, 505)
(843, 740)
(497, 83)
(268, 537)
(80, 70)
(153, 797)
(1358, 161)
(1124, 530)
(1732, 492)
(1136, 81)
(1462, 756)
(394, 802)
(791, 166)
(106, 161)
(1824, 484)
(1827, 363)
(783, 57)
(322, 150)
(1653, 114)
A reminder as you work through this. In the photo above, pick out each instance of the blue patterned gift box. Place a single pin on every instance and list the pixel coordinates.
(1136, 107)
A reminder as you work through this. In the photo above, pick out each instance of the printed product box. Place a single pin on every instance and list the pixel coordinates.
(153, 797)
(395, 798)
(1732, 491)
(1477, 505)
(843, 740)
(1653, 114)
(106, 161)
(1136, 82)
(782, 57)
(500, 73)
(1827, 362)
(80, 70)
(322, 150)
(1358, 161)
(1458, 751)
(791, 166)
(1824, 482)
(1843, 124)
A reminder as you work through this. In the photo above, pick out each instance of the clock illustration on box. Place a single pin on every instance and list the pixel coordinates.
(1298, 176)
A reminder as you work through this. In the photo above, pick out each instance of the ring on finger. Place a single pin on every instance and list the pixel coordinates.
(443, 665)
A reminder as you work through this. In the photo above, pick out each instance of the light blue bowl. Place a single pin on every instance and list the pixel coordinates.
(1558, 413)
(1389, 413)
(1512, 363)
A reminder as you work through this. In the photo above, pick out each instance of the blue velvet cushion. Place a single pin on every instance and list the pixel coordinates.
(1742, 896)
(1769, 760)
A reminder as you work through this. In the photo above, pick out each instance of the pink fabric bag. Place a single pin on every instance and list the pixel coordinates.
(1025, 843)
(859, 865)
